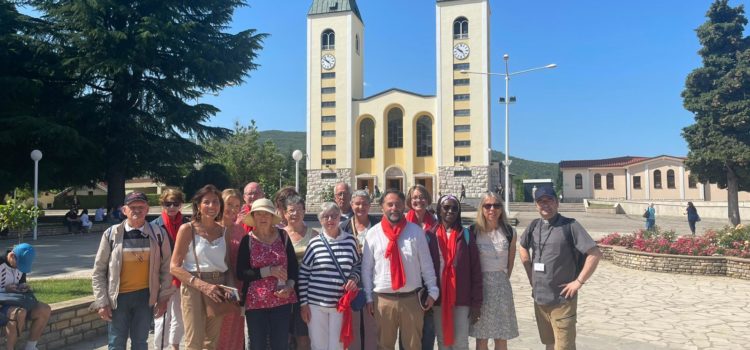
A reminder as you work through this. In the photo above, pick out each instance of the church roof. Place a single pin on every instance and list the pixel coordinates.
(332, 6)
(392, 90)
(618, 162)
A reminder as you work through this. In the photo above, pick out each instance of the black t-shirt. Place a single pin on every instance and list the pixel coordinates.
(71, 215)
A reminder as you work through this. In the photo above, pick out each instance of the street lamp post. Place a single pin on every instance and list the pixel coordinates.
(507, 101)
(36, 156)
(297, 156)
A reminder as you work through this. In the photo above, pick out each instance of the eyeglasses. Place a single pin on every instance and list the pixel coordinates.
(448, 208)
(489, 206)
(340, 194)
(330, 217)
(172, 204)
(254, 193)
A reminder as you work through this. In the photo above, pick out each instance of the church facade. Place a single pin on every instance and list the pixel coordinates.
(397, 138)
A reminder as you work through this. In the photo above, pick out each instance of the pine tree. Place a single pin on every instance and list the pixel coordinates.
(144, 65)
(719, 95)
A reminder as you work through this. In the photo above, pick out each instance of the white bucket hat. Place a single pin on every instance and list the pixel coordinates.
(263, 204)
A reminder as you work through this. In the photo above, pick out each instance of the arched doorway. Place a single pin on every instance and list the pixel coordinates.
(394, 178)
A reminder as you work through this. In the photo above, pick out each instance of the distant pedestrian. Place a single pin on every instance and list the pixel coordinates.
(463, 193)
(85, 221)
(72, 221)
(692, 216)
(99, 215)
(650, 216)
(564, 258)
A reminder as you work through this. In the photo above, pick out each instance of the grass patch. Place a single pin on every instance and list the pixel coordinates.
(57, 290)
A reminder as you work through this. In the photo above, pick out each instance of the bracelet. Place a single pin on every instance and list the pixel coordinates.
(191, 280)
(579, 281)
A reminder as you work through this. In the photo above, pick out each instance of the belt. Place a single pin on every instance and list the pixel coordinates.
(208, 275)
(399, 294)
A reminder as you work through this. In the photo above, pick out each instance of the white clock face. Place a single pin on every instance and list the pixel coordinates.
(328, 61)
(461, 51)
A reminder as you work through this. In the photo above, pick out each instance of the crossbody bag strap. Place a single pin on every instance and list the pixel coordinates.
(197, 265)
(330, 251)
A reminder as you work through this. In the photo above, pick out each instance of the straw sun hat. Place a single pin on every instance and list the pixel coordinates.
(263, 204)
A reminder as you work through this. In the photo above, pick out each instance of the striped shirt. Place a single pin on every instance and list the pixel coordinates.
(320, 283)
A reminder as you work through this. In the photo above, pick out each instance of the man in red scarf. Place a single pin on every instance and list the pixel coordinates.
(396, 261)
(252, 192)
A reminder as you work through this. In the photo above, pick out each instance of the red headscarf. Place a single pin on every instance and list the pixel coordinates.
(447, 279)
(398, 277)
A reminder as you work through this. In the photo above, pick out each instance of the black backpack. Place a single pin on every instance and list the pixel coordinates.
(578, 257)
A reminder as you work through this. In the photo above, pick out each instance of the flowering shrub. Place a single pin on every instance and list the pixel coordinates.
(729, 241)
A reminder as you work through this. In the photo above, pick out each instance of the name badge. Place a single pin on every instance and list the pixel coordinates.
(539, 267)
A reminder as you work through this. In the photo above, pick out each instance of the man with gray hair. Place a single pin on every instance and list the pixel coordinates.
(342, 195)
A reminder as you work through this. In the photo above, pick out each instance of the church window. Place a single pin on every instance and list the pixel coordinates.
(460, 82)
(356, 43)
(461, 97)
(328, 147)
(328, 161)
(328, 133)
(637, 182)
(461, 28)
(466, 143)
(657, 178)
(327, 90)
(579, 182)
(460, 66)
(367, 139)
(424, 136)
(692, 183)
(328, 40)
(328, 75)
(670, 178)
(610, 181)
(328, 104)
(395, 128)
(462, 112)
(459, 128)
(462, 158)
(598, 181)
(328, 118)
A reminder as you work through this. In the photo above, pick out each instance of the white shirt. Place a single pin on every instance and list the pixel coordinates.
(415, 258)
(210, 255)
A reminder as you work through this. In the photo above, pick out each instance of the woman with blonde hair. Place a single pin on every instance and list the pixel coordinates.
(496, 241)
(233, 326)
(200, 261)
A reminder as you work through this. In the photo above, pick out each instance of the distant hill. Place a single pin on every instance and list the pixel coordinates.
(287, 141)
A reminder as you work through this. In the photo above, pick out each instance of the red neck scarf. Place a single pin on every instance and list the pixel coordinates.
(344, 306)
(172, 226)
(427, 220)
(447, 280)
(398, 277)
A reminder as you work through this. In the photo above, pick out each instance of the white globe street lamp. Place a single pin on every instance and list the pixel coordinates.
(36, 156)
(507, 102)
(297, 156)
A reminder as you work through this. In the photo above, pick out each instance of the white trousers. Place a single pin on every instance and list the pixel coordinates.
(460, 328)
(175, 329)
(325, 328)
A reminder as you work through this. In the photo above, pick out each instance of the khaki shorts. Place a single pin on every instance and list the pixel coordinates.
(557, 324)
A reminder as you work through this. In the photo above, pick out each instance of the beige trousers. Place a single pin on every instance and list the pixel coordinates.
(201, 332)
(398, 312)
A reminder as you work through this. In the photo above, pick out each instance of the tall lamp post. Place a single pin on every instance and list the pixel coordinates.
(36, 156)
(507, 101)
(297, 156)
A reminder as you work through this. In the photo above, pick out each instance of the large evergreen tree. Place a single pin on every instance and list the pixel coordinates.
(144, 64)
(719, 95)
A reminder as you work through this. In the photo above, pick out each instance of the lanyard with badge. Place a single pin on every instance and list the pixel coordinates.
(539, 266)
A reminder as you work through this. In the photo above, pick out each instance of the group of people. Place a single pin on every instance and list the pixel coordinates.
(76, 223)
(417, 274)
(690, 211)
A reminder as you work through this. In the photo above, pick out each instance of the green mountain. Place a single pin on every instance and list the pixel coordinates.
(287, 141)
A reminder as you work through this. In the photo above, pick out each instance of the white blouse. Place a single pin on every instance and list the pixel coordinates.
(210, 255)
(493, 251)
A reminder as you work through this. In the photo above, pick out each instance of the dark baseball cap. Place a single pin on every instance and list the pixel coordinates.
(135, 196)
(544, 191)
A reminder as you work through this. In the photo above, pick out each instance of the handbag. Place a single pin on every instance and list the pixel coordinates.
(645, 214)
(26, 301)
(359, 301)
(213, 309)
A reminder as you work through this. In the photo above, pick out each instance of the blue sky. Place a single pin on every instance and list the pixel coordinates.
(616, 91)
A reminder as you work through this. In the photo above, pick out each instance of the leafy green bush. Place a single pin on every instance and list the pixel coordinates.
(18, 215)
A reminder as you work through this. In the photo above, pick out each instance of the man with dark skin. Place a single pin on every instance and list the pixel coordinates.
(556, 307)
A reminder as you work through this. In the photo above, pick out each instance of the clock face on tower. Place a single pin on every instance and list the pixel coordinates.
(328, 61)
(461, 51)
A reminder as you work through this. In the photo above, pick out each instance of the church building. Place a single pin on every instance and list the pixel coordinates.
(397, 138)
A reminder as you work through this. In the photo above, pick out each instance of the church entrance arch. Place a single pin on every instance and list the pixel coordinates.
(394, 178)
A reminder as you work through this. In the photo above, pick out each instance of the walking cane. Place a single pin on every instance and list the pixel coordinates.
(164, 326)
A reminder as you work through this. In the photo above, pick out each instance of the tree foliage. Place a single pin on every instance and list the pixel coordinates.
(246, 158)
(214, 174)
(139, 68)
(719, 95)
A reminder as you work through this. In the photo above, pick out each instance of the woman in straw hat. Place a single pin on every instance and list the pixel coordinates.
(267, 264)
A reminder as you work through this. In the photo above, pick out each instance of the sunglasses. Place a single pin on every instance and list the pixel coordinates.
(448, 208)
(489, 206)
(172, 204)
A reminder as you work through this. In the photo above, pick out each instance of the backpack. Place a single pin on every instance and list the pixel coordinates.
(578, 257)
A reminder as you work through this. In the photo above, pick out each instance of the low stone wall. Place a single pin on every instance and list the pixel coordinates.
(683, 264)
(71, 323)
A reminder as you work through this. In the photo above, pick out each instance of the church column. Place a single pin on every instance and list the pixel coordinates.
(648, 184)
(682, 182)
